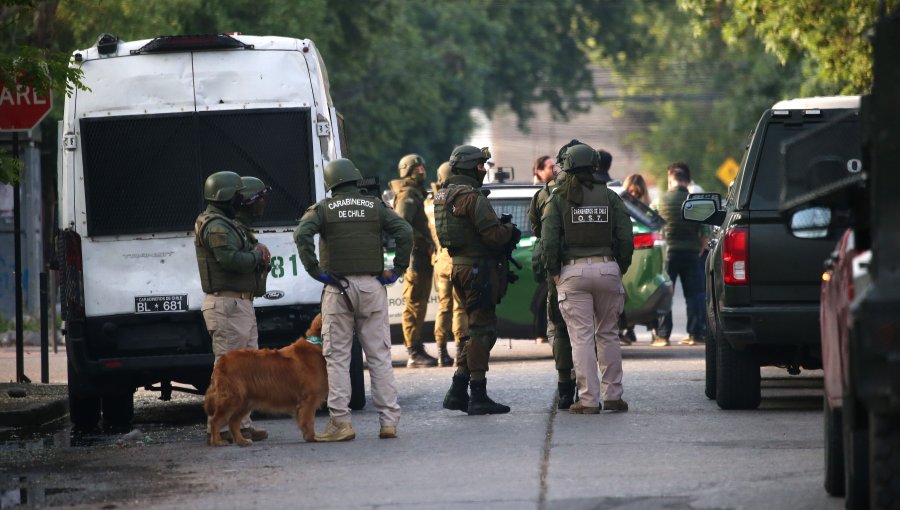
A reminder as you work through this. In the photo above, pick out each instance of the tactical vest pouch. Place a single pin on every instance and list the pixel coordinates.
(350, 241)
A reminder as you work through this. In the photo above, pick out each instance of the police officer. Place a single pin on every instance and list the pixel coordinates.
(450, 320)
(557, 333)
(229, 264)
(350, 226)
(252, 208)
(587, 246)
(478, 244)
(409, 202)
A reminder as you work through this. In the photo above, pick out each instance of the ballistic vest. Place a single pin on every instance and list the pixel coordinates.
(350, 236)
(214, 277)
(588, 227)
(456, 233)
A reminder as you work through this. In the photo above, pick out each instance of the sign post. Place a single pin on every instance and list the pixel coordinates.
(21, 109)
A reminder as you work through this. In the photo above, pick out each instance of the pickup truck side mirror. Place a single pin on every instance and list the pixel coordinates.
(811, 222)
(703, 208)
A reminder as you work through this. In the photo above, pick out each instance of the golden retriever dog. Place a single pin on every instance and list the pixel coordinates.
(291, 380)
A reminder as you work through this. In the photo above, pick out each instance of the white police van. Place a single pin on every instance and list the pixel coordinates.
(159, 117)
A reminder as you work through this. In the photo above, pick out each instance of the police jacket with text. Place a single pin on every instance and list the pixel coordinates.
(350, 224)
(596, 226)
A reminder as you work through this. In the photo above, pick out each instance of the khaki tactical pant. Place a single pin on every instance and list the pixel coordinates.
(367, 315)
(416, 292)
(231, 323)
(450, 322)
(478, 293)
(591, 297)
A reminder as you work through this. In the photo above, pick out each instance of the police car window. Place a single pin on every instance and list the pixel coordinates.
(518, 208)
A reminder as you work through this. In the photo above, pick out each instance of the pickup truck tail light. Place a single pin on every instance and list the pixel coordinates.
(734, 256)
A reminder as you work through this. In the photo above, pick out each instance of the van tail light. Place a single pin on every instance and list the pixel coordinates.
(71, 277)
(642, 241)
(734, 256)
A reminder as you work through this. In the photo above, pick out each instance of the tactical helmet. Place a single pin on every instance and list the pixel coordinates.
(254, 189)
(408, 163)
(443, 172)
(222, 186)
(340, 171)
(581, 158)
(467, 157)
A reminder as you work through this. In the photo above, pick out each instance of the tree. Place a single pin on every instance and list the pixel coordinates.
(695, 96)
(26, 57)
(830, 36)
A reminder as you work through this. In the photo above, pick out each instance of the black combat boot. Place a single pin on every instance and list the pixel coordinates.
(418, 358)
(481, 403)
(444, 359)
(457, 397)
(566, 394)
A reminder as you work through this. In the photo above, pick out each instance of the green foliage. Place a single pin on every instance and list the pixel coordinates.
(26, 57)
(831, 36)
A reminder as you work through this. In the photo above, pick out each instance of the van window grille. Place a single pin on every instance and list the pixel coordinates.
(145, 174)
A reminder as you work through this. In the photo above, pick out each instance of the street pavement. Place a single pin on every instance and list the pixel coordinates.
(673, 449)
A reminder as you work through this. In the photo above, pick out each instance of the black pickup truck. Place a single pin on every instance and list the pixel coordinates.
(762, 283)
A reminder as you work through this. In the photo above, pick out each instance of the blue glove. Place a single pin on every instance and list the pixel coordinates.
(387, 281)
(326, 279)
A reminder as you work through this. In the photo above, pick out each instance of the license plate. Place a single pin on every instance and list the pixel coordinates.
(154, 304)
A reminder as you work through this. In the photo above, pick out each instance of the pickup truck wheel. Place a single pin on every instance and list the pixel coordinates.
(711, 341)
(118, 412)
(357, 379)
(710, 351)
(737, 378)
(885, 466)
(834, 451)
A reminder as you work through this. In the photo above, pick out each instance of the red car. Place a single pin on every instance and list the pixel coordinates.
(845, 277)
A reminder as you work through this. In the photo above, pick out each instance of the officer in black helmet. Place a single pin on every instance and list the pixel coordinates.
(587, 247)
(477, 242)
(351, 265)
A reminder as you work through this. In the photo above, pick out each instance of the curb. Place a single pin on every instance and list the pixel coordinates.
(42, 403)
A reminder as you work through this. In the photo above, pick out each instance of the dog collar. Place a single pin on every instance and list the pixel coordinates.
(314, 340)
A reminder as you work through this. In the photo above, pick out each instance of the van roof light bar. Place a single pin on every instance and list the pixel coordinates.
(812, 112)
(781, 113)
(172, 43)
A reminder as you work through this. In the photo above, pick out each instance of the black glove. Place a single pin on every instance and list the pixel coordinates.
(516, 236)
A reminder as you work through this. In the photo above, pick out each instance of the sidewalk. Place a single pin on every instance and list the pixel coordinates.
(41, 403)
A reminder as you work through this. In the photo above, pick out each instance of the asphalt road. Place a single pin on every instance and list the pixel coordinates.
(673, 449)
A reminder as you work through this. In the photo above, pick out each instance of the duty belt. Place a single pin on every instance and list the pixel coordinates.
(589, 260)
(233, 294)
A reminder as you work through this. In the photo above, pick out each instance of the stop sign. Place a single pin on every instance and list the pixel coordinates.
(23, 107)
